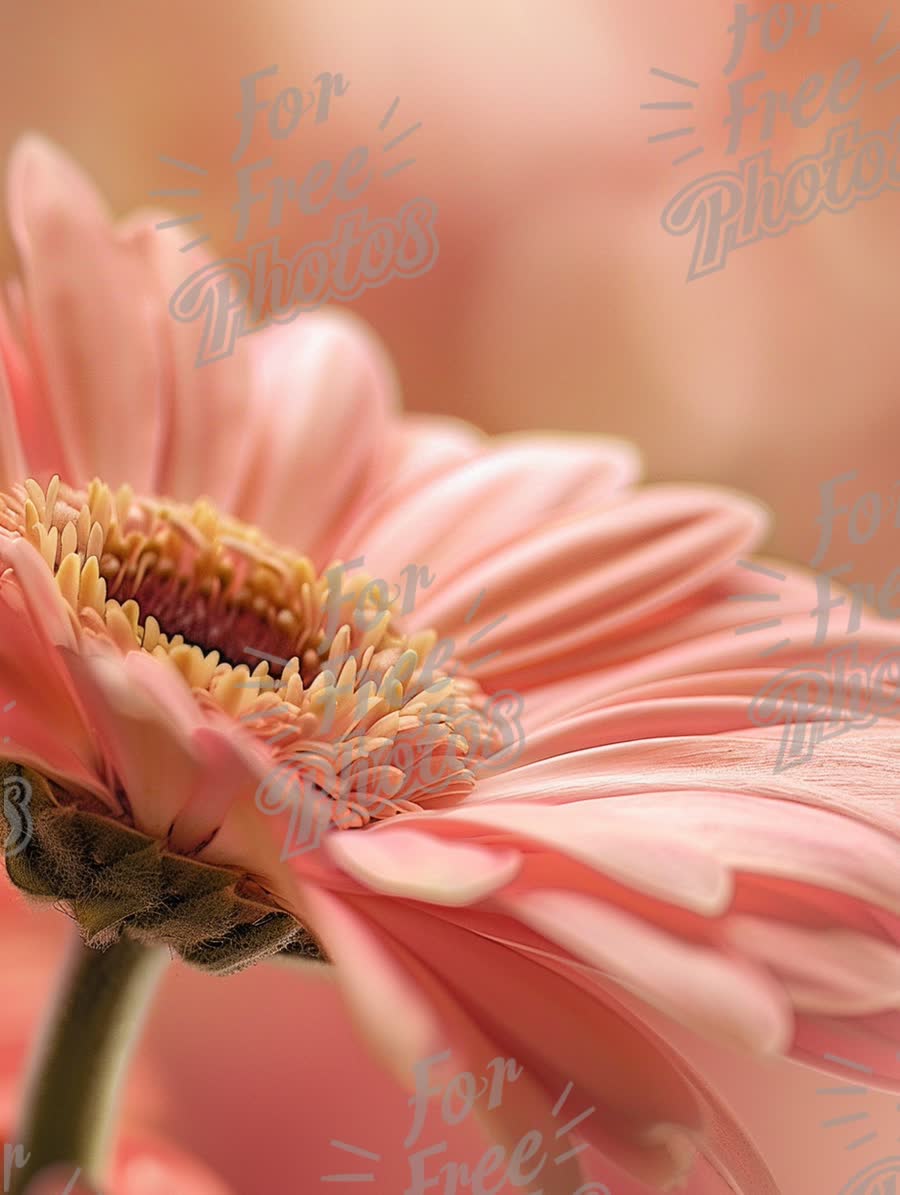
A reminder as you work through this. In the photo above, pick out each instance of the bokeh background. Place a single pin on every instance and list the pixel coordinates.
(558, 300)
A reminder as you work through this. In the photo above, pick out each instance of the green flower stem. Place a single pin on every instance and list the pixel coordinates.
(81, 1057)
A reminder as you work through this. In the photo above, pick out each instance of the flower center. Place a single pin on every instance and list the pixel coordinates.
(314, 665)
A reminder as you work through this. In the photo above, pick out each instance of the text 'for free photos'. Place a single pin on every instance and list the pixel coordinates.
(237, 295)
(727, 209)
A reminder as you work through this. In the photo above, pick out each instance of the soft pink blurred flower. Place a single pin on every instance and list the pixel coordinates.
(642, 855)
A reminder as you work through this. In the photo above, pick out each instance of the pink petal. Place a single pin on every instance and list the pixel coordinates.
(93, 319)
(258, 836)
(12, 456)
(518, 484)
(723, 636)
(326, 394)
(561, 1035)
(206, 415)
(231, 767)
(510, 1102)
(852, 1047)
(414, 866)
(666, 865)
(420, 449)
(382, 1000)
(229, 762)
(631, 720)
(588, 583)
(720, 996)
(832, 972)
(792, 839)
(717, 628)
(849, 775)
(148, 741)
(49, 612)
(752, 698)
(40, 714)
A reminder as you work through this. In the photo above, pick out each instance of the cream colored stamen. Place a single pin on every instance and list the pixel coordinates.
(341, 698)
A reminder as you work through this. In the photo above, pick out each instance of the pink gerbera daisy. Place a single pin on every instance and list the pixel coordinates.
(289, 673)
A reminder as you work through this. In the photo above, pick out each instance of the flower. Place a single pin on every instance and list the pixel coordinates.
(640, 863)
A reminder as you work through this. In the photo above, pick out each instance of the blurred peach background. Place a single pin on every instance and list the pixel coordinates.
(558, 300)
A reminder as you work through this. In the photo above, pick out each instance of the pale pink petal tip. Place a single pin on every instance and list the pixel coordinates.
(414, 866)
(41, 177)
